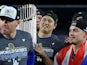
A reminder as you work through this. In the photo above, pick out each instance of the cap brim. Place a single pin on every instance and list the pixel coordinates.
(7, 18)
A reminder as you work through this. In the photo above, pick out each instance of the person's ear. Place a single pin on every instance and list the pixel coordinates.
(55, 25)
(18, 21)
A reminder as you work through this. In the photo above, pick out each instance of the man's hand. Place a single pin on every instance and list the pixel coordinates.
(39, 49)
(67, 41)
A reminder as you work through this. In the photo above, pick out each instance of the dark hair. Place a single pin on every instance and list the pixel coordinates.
(40, 12)
(52, 14)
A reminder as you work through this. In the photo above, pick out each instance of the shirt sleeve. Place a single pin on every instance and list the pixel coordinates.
(31, 58)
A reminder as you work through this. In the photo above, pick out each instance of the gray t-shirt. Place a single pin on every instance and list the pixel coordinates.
(22, 39)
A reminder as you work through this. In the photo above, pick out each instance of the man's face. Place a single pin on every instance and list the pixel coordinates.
(38, 19)
(76, 34)
(47, 24)
(8, 27)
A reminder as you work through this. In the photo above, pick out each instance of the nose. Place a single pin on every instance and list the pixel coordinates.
(46, 22)
(6, 22)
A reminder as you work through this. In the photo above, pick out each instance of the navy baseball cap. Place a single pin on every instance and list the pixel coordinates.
(52, 14)
(80, 18)
(8, 12)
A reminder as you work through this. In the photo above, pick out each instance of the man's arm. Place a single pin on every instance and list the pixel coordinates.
(47, 60)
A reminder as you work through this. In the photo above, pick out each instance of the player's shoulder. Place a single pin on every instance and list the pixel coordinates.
(54, 36)
(23, 32)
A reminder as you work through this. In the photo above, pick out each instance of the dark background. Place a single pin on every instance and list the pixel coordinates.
(53, 2)
(43, 2)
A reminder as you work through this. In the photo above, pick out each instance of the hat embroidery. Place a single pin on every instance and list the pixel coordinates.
(9, 13)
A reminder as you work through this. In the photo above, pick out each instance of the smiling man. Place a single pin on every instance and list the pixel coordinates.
(74, 53)
(48, 43)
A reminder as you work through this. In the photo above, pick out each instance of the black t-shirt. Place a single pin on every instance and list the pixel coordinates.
(51, 46)
(22, 39)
